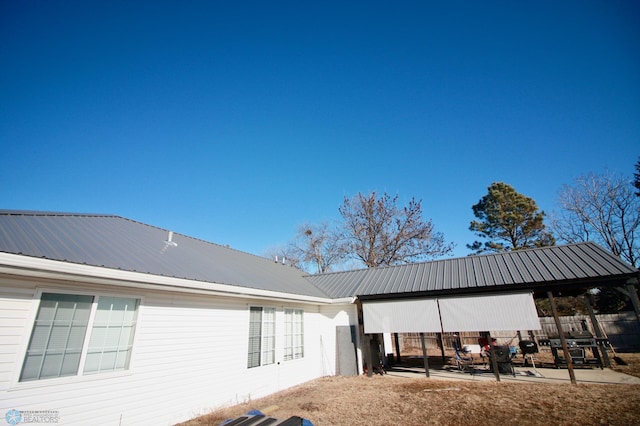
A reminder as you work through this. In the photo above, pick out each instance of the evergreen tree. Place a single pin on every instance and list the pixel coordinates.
(508, 220)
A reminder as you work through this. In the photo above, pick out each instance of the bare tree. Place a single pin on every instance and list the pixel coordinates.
(320, 245)
(601, 208)
(378, 232)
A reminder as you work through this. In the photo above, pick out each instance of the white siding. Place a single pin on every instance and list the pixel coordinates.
(189, 356)
(15, 305)
(339, 315)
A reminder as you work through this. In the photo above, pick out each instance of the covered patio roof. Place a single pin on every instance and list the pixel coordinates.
(559, 268)
(456, 294)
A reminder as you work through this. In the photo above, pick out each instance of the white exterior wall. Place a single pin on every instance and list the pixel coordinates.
(340, 315)
(189, 357)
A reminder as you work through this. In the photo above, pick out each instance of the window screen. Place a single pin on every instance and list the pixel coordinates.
(294, 334)
(58, 336)
(58, 345)
(269, 335)
(112, 335)
(262, 336)
(255, 327)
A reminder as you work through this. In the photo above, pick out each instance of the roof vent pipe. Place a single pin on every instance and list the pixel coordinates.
(170, 241)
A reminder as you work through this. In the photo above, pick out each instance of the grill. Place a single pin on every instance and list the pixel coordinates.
(575, 339)
(577, 342)
(528, 347)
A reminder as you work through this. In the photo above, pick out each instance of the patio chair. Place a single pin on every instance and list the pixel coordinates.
(463, 360)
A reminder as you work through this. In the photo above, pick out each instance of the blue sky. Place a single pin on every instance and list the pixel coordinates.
(234, 122)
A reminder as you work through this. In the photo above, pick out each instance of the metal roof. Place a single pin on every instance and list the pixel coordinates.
(570, 265)
(118, 243)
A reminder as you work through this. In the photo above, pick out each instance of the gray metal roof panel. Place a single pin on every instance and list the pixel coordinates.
(522, 268)
(118, 243)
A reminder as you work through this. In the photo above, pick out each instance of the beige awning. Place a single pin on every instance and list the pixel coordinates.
(514, 311)
(401, 316)
(489, 313)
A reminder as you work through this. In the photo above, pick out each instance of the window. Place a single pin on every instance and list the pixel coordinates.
(112, 335)
(57, 347)
(262, 336)
(294, 334)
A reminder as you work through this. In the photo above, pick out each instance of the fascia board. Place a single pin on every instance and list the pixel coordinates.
(25, 266)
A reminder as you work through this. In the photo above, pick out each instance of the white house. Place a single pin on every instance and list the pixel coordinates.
(104, 320)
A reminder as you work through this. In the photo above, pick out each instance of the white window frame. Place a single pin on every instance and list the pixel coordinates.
(266, 338)
(293, 334)
(80, 370)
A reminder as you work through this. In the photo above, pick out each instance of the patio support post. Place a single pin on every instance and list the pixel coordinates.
(633, 295)
(368, 354)
(492, 355)
(588, 301)
(424, 354)
(630, 291)
(365, 342)
(563, 340)
(397, 341)
(441, 340)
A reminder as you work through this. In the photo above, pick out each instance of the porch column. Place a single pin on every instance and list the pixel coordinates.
(397, 342)
(441, 340)
(633, 295)
(565, 348)
(588, 301)
(630, 291)
(425, 357)
(368, 354)
(492, 355)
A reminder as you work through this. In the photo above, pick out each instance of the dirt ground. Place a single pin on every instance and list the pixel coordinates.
(386, 400)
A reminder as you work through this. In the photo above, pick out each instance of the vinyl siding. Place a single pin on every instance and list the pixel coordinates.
(15, 305)
(339, 315)
(189, 356)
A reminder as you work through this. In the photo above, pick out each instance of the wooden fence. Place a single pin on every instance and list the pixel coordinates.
(622, 329)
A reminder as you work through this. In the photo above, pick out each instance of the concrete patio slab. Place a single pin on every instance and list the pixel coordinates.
(523, 375)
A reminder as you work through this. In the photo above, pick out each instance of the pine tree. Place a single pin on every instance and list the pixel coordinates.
(508, 220)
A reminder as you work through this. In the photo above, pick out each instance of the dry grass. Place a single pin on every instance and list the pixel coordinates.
(632, 367)
(387, 400)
